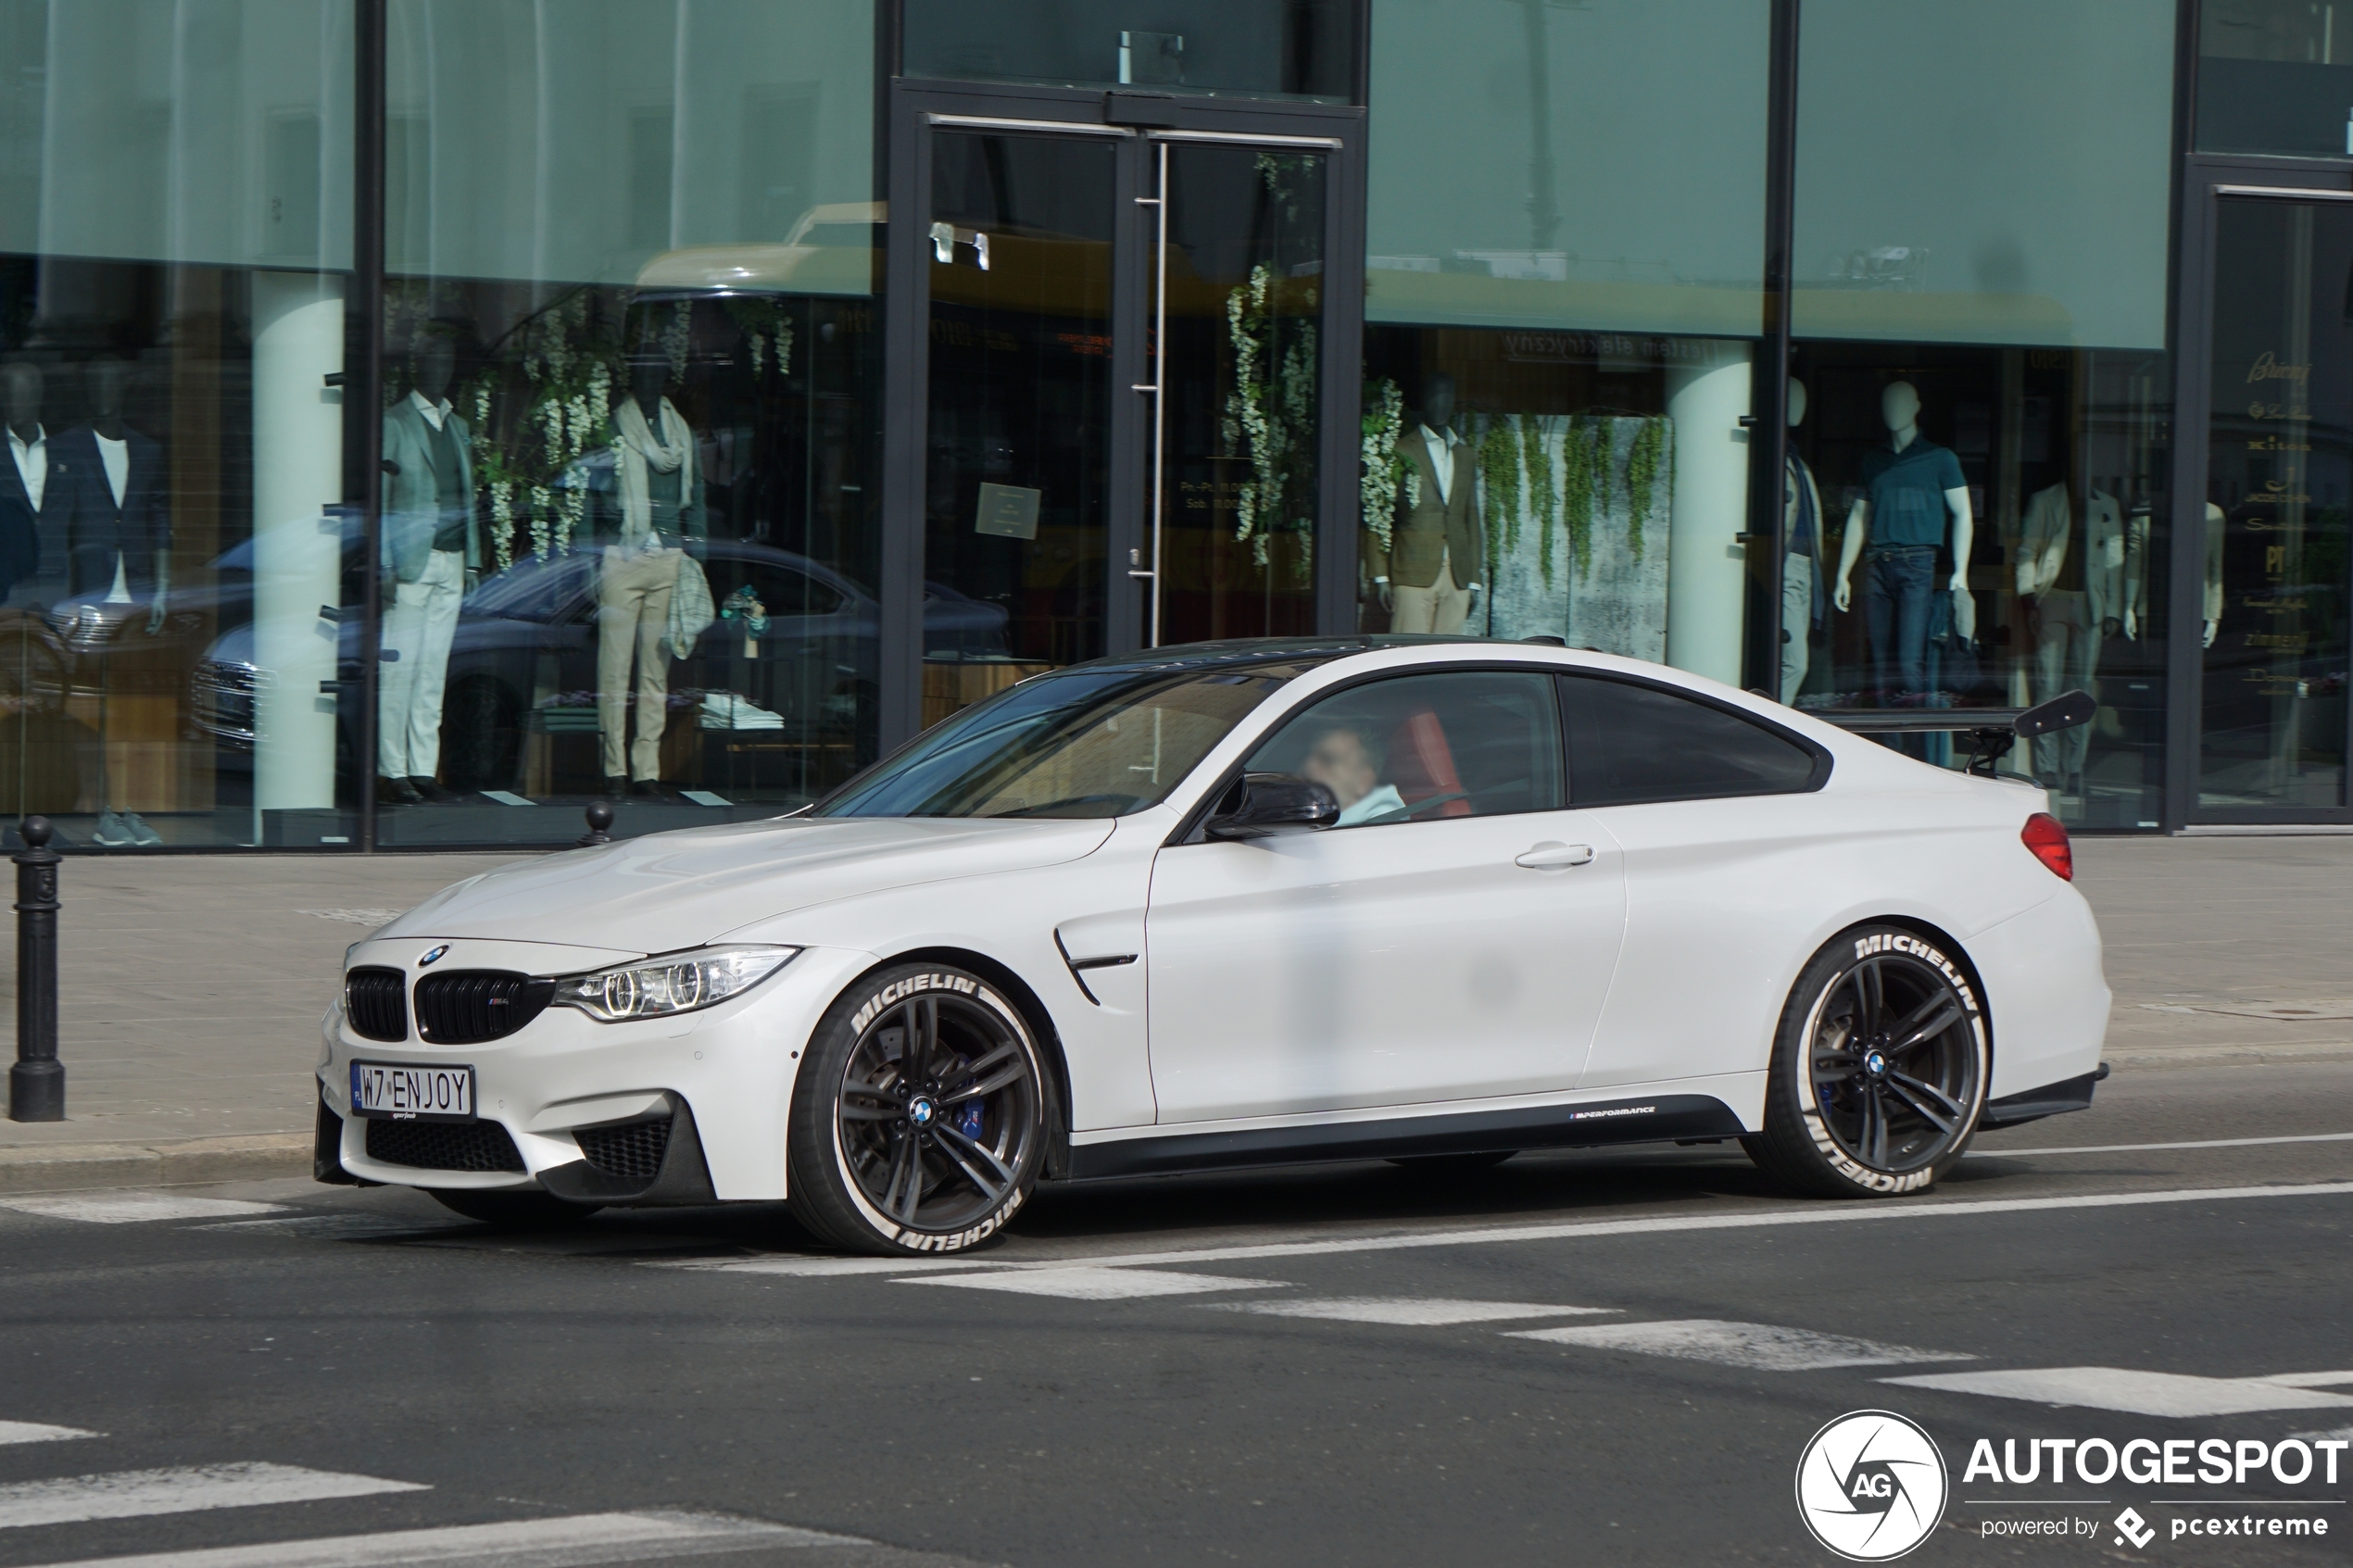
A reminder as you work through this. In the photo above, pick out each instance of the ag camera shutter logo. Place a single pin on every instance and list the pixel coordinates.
(1872, 1485)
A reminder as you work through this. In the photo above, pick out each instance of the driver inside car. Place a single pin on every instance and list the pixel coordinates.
(1347, 759)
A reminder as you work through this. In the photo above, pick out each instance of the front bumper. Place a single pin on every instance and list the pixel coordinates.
(722, 1077)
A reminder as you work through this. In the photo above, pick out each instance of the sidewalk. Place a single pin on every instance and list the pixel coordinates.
(192, 987)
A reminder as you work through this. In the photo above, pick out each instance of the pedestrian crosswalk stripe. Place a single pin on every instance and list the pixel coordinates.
(34, 1431)
(2307, 1379)
(1096, 1285)
(135, 1208)
(572, 1542)
(1416, 1311)
(131, 1494)
(1762, 1345)
(2121, 1389)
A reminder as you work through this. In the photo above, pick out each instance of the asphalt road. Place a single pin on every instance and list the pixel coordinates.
(1573, 1359)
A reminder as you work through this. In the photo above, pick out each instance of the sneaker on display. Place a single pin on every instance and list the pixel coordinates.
(115, 833)
(142, 834)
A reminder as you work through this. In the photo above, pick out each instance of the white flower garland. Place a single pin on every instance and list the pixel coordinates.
(1383, 427)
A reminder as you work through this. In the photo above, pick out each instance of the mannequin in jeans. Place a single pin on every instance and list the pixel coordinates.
(1896, 528)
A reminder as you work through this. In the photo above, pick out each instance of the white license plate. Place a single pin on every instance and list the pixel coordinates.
(406, 1092)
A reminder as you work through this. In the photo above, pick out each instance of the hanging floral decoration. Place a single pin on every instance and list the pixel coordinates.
(1500, 473)
(1642, 465)
(1269, 417)
(766, 325)
(1382, 467)
(539, 407)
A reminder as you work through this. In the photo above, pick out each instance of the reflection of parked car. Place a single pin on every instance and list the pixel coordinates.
(524, 659)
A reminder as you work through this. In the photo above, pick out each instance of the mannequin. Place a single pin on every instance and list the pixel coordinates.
(24, 484)
(2071, 577)
(1801, 580)
(432, 552)
(1915, 501)
(117, 552)
(1437, 551)
(651, 519)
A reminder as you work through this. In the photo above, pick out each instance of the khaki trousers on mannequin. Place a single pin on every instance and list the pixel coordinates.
(1440, 608)
(2066, 652)
(633, 611)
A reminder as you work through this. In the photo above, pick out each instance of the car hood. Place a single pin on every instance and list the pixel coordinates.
(672, 890)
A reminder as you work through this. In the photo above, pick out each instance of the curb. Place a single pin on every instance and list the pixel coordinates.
(179, 1162)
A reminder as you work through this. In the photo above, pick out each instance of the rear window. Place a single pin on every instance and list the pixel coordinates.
(1629, 743)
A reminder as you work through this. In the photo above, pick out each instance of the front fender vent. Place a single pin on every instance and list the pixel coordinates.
(376, 1001)
(468, 1006)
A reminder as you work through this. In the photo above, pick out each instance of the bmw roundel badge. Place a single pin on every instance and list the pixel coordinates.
(434, 956)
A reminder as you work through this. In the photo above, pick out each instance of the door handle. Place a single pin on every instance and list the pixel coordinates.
(1555, 857)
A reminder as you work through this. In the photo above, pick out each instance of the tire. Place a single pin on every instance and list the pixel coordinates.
(1893, 1111)
(918, 1123)
(523, 1210)
(1453, 1164)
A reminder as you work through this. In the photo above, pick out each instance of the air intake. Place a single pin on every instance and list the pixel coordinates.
(468, 1006)
(376, 1002)
(444, 1146)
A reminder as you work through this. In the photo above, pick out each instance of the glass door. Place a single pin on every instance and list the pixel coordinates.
(1238, 291)
(2279, 480)
(1016, 499)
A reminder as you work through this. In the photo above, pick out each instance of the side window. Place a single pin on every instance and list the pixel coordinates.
(1631, 743)
(1469, 743)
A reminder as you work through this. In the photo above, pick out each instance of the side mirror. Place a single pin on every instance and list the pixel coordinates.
(2062, 712)
(1261, 805)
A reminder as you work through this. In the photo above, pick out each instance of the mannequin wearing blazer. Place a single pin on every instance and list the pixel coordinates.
(432, 550)
(115, 541)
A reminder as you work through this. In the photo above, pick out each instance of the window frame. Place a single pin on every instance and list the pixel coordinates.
(1824, 760)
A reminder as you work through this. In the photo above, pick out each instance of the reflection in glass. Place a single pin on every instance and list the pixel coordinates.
(2275, 76)
(1240, 365)
(2278, 445)
(1254, 48)
(1016, 497)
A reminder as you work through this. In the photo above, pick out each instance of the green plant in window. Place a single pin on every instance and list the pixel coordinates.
(1499, 465)
(1543, 495)
(1643, 462)
(1584, 473)
(1383, 470)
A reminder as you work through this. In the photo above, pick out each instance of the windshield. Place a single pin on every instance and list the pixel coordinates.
(1082, 743)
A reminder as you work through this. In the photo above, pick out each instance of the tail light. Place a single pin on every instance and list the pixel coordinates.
(2046, 841)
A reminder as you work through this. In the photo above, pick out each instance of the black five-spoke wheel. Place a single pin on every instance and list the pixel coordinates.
(1880, 1072)
(934, 1126)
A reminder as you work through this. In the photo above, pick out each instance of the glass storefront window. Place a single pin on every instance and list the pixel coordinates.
(633, 358)
(1980, 411)
(2280, 434)
(175, 241)
(2275, 76)
(1246, 48)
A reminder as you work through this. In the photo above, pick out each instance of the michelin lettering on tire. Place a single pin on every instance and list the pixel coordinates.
(1841, 1161)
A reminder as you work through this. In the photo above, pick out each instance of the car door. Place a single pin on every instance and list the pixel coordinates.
(1453, 939)
(1720, 817)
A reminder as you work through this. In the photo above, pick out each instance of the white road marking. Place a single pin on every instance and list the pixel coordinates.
(1097, 1285)
(1819, 1214)
(530, 1543)
(34, 1431)
(135, 1208)
(131, 1494)
(2121, 1389)
(1762, 1345)
(1410, 1310)
(2334, 1432)
(2307, 1379)
(2140, 1147)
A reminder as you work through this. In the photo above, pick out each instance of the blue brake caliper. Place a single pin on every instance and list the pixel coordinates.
(968, 1114)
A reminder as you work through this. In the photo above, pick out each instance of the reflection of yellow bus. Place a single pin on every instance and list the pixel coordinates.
(830, 250)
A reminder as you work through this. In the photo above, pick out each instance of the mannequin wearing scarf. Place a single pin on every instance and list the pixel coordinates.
(656, 514)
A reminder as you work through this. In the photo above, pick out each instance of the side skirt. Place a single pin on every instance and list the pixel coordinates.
(2051, 1100)
(1656, 1119)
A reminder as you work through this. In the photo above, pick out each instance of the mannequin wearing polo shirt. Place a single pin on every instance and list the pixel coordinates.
(1912, 488)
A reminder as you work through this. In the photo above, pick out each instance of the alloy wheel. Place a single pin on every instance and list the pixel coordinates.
(938, 1110)
(1894, 1061)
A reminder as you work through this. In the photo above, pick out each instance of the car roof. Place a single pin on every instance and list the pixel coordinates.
(1267, 650)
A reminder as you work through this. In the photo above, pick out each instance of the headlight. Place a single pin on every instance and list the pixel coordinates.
(678, 984)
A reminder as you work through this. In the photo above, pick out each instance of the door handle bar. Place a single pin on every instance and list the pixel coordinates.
(1555, 857)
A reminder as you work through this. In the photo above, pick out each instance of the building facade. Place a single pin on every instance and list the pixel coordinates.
(430, 416)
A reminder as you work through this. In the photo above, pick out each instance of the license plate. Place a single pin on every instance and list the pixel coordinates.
(405, 1093)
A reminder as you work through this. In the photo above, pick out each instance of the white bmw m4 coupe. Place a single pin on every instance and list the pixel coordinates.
(1241, 904)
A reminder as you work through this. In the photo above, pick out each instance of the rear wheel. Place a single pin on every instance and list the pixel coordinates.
(1880, 1072)
(522, 1209)
(919, 1119)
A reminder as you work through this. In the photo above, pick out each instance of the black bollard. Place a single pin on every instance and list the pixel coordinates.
(37, 1082)
(599, 817)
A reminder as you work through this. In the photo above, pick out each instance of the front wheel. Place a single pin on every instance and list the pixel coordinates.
(919, 1119)
(1880, 1072)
